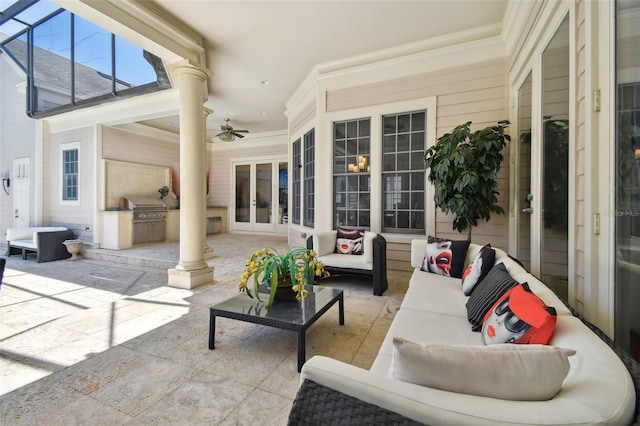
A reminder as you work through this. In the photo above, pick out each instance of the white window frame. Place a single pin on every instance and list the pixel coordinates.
(68, 147)
(295, 137)
(376, 112)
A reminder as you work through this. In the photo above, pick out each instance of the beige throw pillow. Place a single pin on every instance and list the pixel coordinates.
(503, 371)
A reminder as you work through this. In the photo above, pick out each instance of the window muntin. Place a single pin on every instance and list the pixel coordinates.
(309, 178)
(352, 173)
(403, 176)
(70, 163)
(296, 181)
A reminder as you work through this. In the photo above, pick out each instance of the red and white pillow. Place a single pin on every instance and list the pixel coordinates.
(349, 241)
(445, 257)
(519, 316)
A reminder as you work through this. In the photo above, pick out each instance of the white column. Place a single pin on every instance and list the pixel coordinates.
(192, 271)
(208, 251)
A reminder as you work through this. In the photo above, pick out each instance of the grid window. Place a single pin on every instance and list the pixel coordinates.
(309, 178)
(403, 176)
(296, 182)
(352, 173)
(70, 175)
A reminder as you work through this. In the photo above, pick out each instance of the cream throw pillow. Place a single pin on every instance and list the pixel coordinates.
(503, 371)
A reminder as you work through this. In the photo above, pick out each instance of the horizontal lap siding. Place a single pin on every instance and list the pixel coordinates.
(221, 175)
(76, 216)
(134, 148)
(399, 257)
(475, 93)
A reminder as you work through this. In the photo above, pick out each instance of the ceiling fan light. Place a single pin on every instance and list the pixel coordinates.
(227, 137)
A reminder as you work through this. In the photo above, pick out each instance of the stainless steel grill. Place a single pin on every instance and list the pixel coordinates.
(149, 218)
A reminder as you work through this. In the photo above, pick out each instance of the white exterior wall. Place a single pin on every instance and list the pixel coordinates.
(17, 139)
(463, 82)
(78, 216)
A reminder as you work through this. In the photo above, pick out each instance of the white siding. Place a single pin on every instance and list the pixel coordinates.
(221, 155)
(471, 93)
(17, 140)
(76, 217)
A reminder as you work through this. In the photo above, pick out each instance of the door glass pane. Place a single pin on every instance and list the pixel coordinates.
(243, 193)
(283, 193)
(555, 161)
(263, 193)
(524, 173)
(627, 177)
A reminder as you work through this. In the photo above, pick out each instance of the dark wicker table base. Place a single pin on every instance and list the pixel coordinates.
(252, 315)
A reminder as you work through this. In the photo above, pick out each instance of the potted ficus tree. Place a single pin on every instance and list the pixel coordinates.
(463, 167)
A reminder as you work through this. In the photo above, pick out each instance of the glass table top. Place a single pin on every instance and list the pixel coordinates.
(294, 312)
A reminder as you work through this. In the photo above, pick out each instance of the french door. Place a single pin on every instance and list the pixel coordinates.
(543, 165)
(259, 201)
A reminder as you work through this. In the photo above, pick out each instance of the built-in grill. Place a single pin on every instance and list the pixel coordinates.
(149, 218)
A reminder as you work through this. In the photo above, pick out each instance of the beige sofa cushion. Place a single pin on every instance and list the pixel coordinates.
(495, 371)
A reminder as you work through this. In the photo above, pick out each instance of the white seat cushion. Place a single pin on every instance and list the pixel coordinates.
(338, 260)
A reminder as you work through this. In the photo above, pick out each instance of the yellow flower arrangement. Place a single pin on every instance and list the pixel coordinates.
(297, 267)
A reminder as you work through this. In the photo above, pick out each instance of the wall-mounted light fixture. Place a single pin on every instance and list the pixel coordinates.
(361, 166)
(6, 182)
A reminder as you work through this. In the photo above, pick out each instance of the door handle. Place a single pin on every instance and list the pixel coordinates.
(527, 210)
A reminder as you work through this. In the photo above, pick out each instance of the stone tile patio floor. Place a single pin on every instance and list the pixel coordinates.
(105, 340)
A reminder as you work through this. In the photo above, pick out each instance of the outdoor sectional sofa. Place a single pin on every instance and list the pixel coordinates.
(45, 241)
(600, 387)
(372, 262)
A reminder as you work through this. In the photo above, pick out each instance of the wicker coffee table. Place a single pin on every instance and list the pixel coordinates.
(293, 315)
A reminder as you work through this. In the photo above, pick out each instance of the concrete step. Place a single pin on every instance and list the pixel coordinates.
(126, 257)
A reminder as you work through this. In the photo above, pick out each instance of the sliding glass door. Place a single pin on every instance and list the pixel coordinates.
(627, 177)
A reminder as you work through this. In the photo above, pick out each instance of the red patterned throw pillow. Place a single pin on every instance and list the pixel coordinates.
(445, 257)
(519, 316)
(349, 241)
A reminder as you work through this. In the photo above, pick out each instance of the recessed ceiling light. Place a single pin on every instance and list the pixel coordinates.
(265, 82)
(263, 113)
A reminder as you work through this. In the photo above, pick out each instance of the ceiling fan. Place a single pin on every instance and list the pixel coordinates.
(228, 134)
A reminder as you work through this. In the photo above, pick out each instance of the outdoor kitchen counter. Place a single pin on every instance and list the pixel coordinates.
(116, 229)
(173, 221)
(221, 212)
(117, 226)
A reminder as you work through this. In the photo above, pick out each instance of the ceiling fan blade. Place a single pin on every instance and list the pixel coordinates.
(241, 131)
(237, 134)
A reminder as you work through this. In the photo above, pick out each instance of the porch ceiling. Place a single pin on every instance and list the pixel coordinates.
(280, 42)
